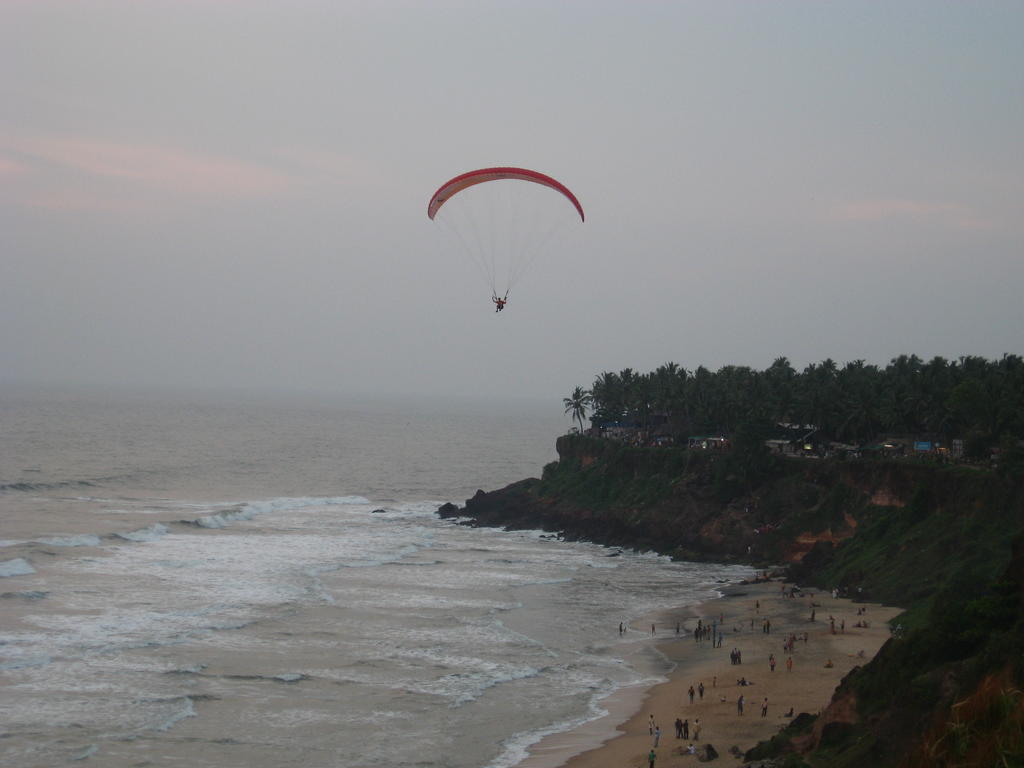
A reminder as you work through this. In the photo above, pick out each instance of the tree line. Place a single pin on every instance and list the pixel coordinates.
(972, 398)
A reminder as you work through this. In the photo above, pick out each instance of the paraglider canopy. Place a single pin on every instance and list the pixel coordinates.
(461, 182)
(501, 224)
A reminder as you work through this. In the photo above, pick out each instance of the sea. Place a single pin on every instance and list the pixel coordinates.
(249, 580)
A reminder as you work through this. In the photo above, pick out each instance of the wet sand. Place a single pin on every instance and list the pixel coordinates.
(807, 687)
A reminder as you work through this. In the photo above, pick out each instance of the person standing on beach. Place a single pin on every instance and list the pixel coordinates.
(652, 629)
(650, 725)
(691, 694)
(739, 704)
(657, 735)
(700, 690)
(651, 757)
(686, 728)
(679, 728)
(696, 729)
(764, 707)
(789, 664)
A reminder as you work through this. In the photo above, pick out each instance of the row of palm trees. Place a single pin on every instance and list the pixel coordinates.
(971, 397)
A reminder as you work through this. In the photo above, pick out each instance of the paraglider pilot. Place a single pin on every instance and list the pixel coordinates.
(499, 304)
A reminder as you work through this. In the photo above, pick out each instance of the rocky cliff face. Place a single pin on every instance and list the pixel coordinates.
(684, 503)
(892, 529)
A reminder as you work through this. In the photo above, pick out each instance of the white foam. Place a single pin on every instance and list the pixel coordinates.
(249, 510)
(223, 519)
(86, 753)
(517, 748)
(602, 564)
(188, 710)
(465, 687)
(19, 566)
(152, 533)
(81, 540)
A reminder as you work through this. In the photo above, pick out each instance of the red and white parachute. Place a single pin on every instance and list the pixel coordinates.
(502, 224)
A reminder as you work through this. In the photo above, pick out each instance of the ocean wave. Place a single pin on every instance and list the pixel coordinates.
(461, 688)
(86, 753)
(151, 533)
(35, 661)
(390, 558)
(249, 510)
(177, 563)
(80, 540)
(412, 509)
(284, 677)
(195, 669)
(187, 710)
(53, 486)
(19, 566)
(223, 519)
(516, 748)
(59, 485)
(31, 594)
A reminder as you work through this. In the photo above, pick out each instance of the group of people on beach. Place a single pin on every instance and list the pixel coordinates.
(688, 729)
(683, 729)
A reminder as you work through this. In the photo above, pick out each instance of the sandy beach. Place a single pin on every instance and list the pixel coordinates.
(757, 619)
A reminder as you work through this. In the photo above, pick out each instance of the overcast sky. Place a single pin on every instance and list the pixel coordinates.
(207, 193)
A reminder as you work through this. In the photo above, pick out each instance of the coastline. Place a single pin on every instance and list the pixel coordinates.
(622, 736)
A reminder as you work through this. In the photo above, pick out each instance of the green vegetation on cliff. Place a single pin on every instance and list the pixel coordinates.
(604, 473)
(976, 400)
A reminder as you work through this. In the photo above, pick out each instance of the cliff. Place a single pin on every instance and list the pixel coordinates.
(903, 523)
(933, 539)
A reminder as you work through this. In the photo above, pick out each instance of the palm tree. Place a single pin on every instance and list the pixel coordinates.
(577, 404)
(781, 382)
(607, 398)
